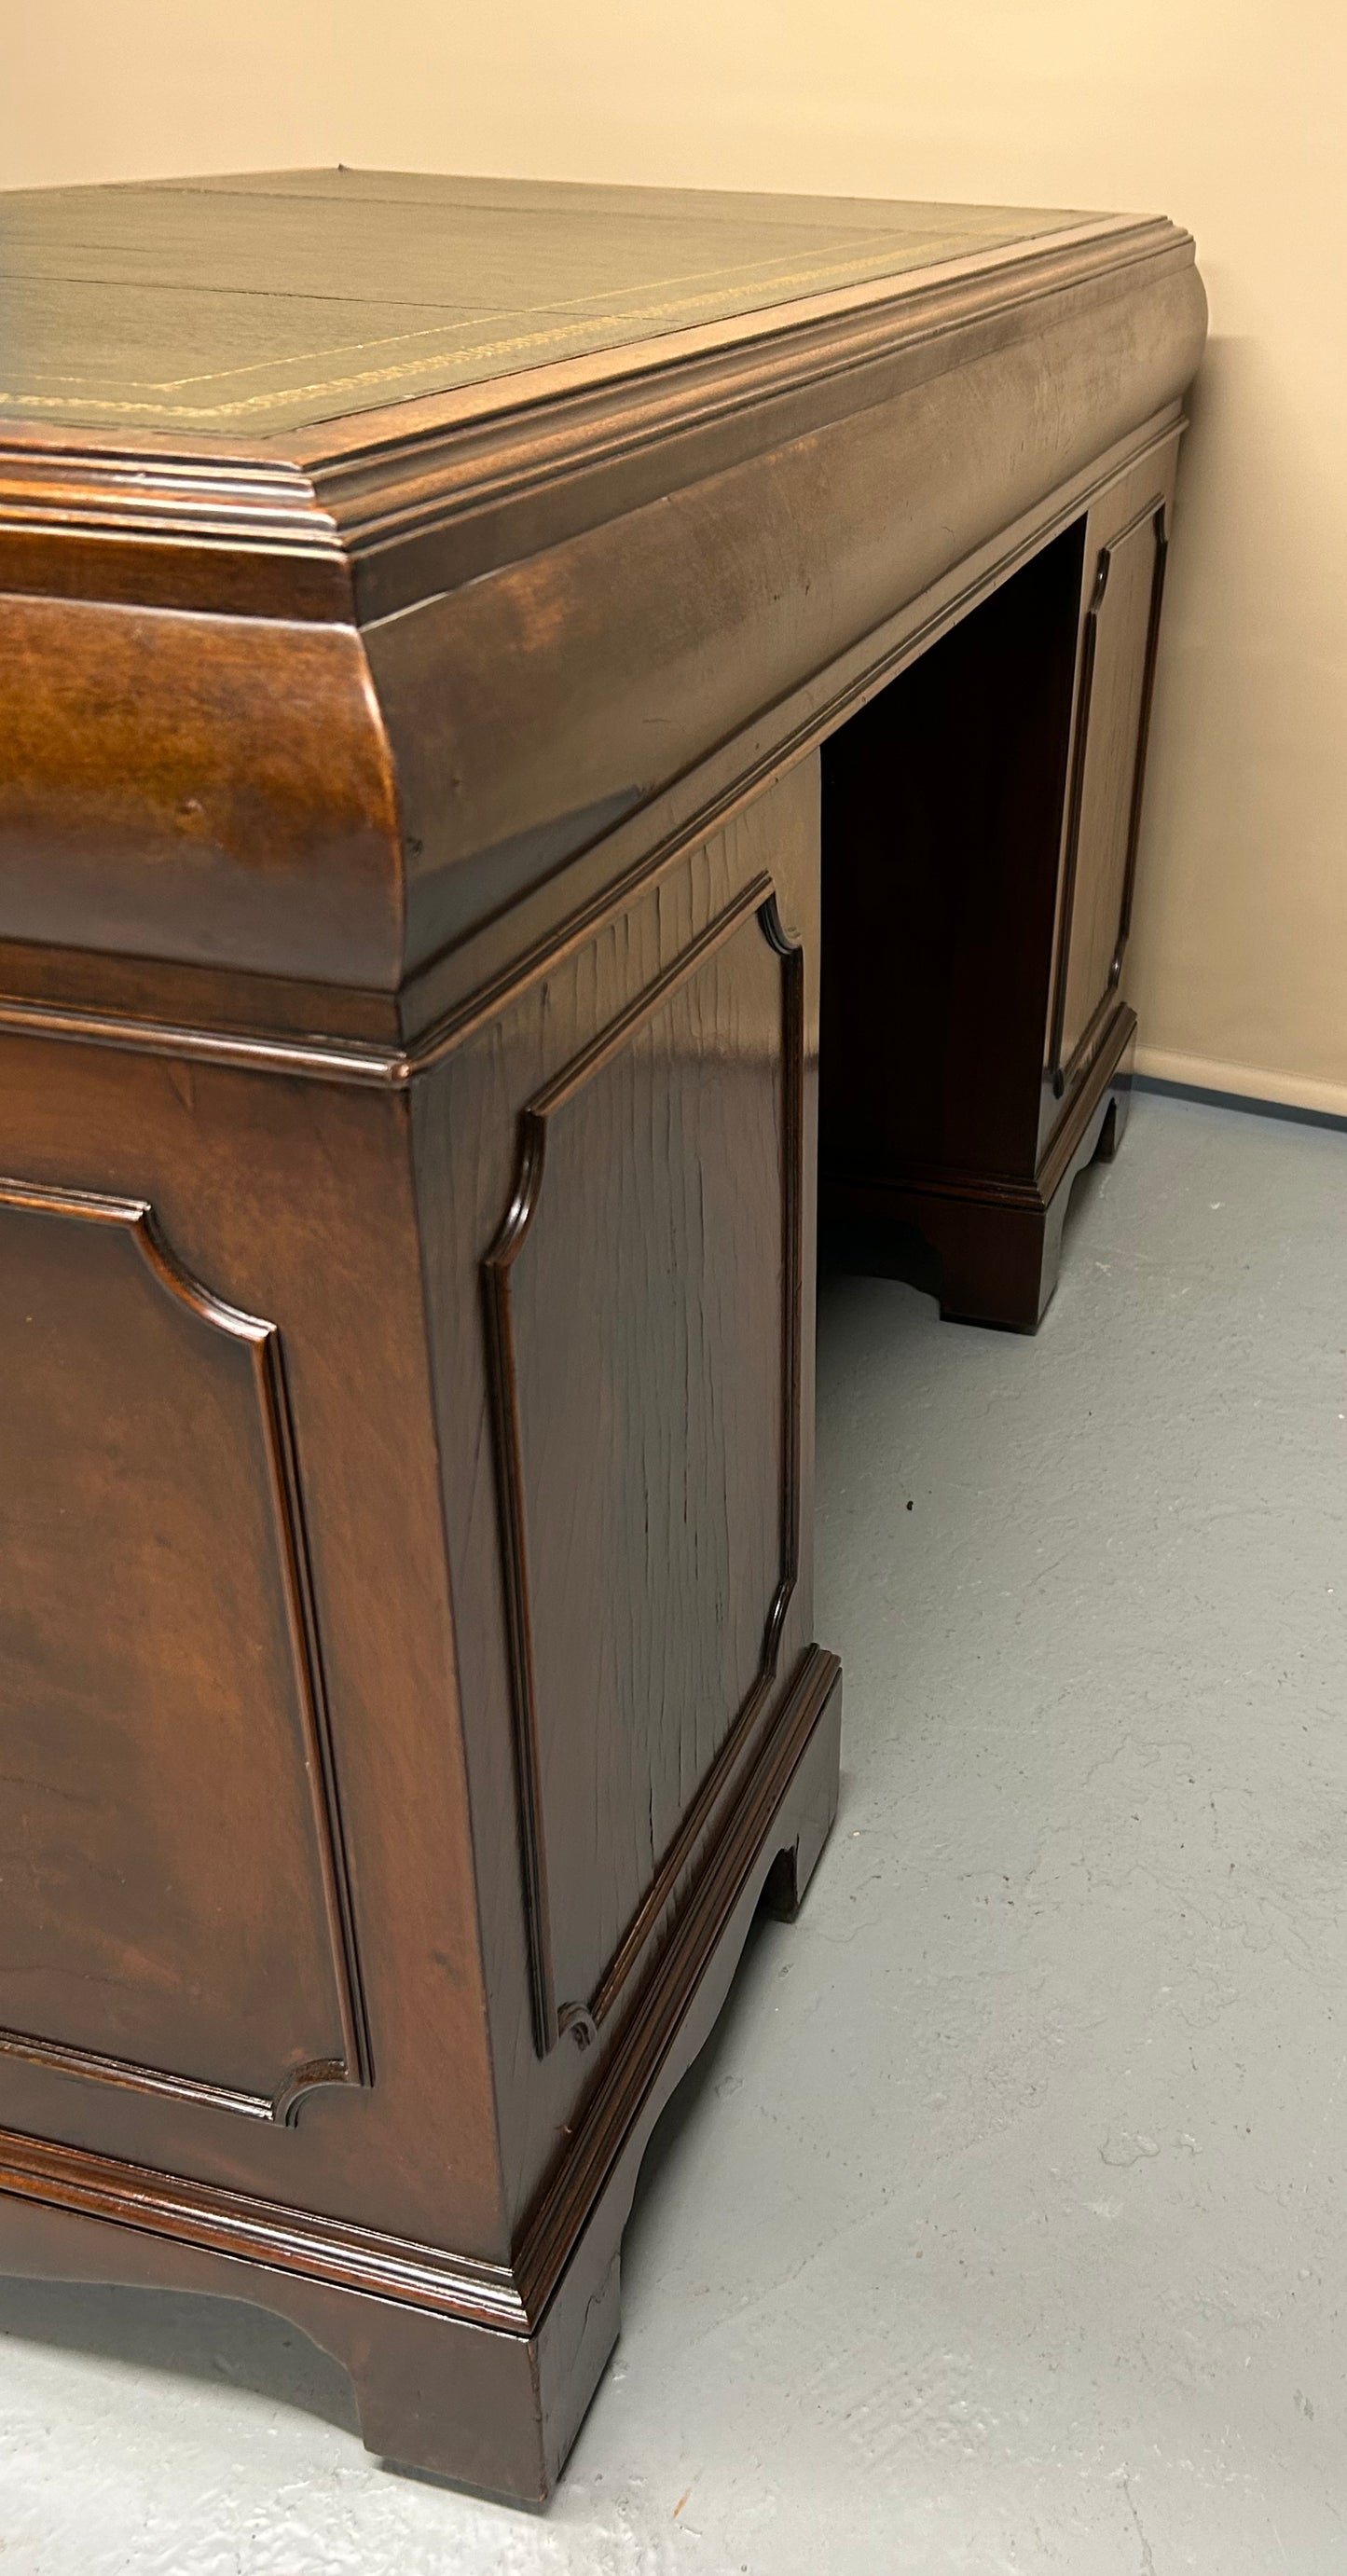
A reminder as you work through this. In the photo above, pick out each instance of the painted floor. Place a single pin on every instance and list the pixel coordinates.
(1000, 2227)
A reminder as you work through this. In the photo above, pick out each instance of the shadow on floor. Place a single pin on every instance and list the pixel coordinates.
(218, 2341)
(225, 2343)
(694, 2097)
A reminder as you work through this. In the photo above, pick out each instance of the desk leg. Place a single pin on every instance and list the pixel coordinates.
(999, 1259)
(988, 1248)
(499, 2411)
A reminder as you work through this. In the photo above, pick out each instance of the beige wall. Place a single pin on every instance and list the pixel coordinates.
(1224, 113)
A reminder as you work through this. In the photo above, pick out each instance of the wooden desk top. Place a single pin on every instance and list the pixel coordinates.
(389, 563)
(267, 303)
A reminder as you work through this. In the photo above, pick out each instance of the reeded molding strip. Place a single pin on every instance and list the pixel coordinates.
(214, 535)
(234, 2223)
(500, 441)
(67, 483)
(327, 1060)
(319, 500)
(1098, 1058)
(865, 668)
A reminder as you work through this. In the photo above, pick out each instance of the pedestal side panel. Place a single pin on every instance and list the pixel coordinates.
(173, 1914)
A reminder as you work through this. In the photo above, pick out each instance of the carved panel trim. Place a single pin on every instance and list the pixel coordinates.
(1143, 737)
(341, 2253)
(1154, 511)
(213, 2219)
(263, 1342)
(551, 2016)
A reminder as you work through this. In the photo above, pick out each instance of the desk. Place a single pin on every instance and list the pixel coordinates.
(443, 624)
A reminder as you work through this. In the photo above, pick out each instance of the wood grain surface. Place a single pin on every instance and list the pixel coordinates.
(249, 305)
(453, 637)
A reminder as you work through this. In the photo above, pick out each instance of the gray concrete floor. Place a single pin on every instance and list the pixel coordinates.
(1000, 2226)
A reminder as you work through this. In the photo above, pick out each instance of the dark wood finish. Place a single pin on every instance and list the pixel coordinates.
(980, 829)
(140, 1426)
(409, 1022)
(155, 305)
(1117, 667)
(706, 1245)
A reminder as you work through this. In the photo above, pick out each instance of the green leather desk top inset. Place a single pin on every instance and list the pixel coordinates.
(262, 304)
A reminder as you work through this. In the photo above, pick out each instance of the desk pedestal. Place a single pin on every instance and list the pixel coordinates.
(980, 828)
(411, 1682)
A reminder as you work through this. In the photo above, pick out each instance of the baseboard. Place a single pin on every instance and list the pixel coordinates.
(1242, 1086)
(1243, 1100)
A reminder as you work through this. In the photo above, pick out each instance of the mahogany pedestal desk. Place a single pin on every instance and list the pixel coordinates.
(443, 623)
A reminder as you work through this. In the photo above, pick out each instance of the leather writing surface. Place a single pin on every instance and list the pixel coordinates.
(263, 304)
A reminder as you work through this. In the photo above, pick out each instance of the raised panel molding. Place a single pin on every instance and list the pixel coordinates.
(583, 2015)
(1067, 1057)
(350, 2063)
